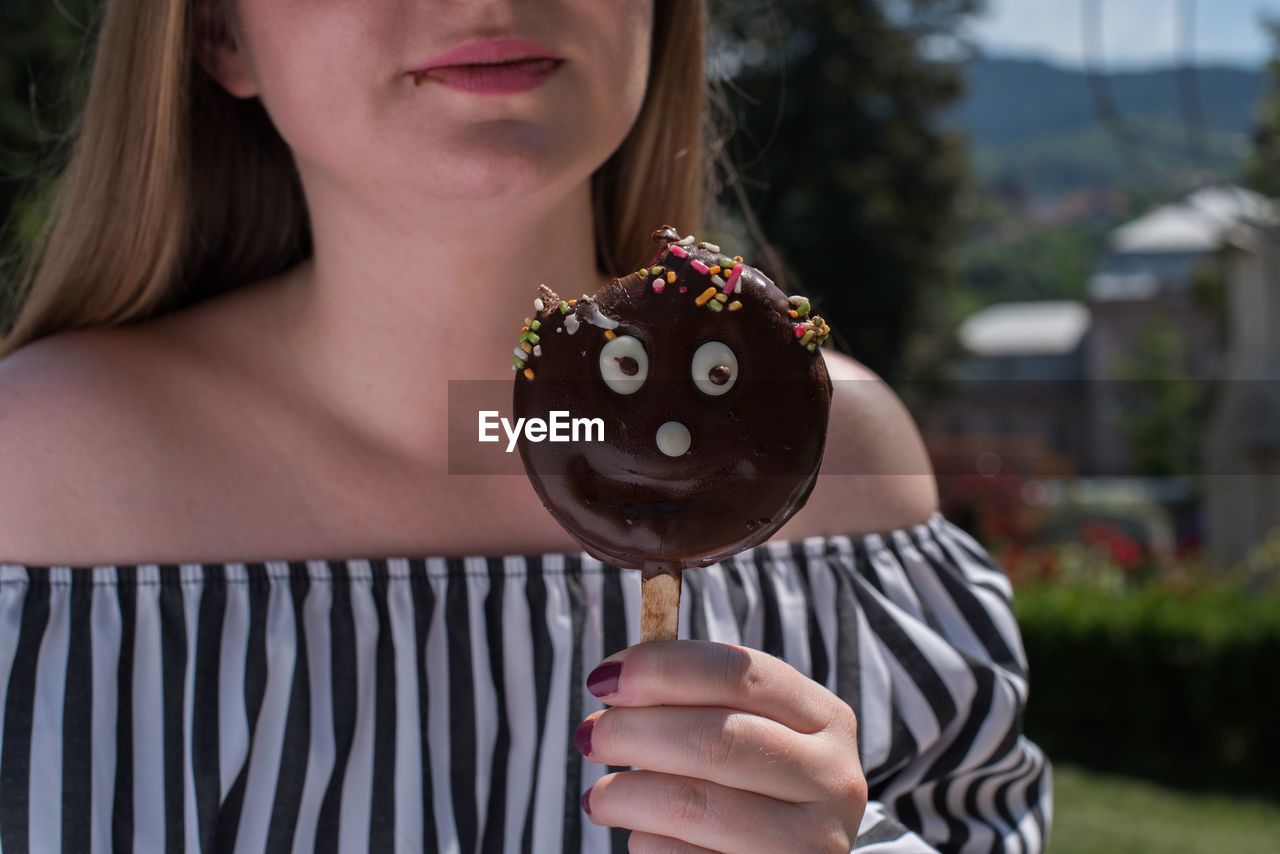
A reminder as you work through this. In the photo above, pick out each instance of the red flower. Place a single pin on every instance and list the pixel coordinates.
(1097, 533)
(1125, 551)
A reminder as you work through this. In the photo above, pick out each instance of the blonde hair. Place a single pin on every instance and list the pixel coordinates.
(175, 190)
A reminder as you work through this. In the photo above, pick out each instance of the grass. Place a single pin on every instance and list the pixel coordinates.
(1097, 814)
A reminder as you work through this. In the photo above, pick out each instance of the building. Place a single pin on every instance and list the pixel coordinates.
(1157, 279)
(1017, 400)
(1242, 471)
(1050, 388)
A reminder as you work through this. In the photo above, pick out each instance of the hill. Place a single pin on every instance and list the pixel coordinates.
(1038, 126)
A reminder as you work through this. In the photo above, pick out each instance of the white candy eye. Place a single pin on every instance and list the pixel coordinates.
(624, 364)
(715, 368)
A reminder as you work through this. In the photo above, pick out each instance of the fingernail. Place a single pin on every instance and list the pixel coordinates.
(603, 681)
(586, 801)
(582, 738)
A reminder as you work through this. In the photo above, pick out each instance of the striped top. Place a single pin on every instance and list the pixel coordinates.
(429, 705)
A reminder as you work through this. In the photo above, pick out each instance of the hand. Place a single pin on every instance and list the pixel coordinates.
(740, 752)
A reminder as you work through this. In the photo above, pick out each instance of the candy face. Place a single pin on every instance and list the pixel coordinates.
(714, 414)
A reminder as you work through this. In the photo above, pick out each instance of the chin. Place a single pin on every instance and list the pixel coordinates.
(511, 160)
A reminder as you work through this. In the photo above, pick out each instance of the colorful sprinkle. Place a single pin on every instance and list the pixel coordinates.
(812, 331)
(715, 306)
(735, 305)
(517, 363)
(609, 335)
(731, 284)
(671, 276)
(706, 295)
(657, 271)
(710, 247)
(699, 267)
(683, 289)
(535, 325)
(528, 372)
(678, 251)
(720, 298)
(537, 349)
(686, 240)
(564, 307)
(538, 304)
(659, 286)
(714, 270)
(718, 282)
(726, 263)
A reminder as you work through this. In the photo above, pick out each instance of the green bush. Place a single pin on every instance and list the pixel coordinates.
(1183, 689)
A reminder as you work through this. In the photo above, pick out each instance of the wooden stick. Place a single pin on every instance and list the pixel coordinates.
(659, 603)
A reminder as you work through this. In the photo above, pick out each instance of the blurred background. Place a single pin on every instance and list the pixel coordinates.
(1054, 227)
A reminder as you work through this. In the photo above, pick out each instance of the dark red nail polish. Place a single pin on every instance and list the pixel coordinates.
(603, 681)
(586, 801)
(582, 738)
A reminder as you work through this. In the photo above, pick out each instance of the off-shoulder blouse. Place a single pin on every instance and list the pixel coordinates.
(429, 704)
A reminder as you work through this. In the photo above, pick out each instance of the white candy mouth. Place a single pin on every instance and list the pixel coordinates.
(673, 439)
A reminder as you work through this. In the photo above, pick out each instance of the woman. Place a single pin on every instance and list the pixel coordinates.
(284, 229)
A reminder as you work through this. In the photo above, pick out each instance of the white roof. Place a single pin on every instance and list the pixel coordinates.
(1201, 222)
(1051, 327)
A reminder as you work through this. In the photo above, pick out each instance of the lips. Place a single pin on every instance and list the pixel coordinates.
(490, 66)
(496, 79)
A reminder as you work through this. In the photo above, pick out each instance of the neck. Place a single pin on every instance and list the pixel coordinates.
(391, 307)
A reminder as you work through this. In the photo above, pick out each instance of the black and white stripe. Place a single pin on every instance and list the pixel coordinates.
(430, 704)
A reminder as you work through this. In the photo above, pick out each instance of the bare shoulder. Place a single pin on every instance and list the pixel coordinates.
(875, 474)
(78, 412)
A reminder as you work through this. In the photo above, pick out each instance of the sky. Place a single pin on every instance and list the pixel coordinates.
(1135, 33)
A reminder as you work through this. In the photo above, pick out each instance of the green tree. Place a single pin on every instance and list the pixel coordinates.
(1165, 410)
(1263, 172)
(1035, 264)
(42, 69)
(843, 158)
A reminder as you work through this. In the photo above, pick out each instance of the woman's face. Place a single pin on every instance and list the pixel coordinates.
(517, 96)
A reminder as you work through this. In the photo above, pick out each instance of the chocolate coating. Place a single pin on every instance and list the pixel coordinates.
(756, 421)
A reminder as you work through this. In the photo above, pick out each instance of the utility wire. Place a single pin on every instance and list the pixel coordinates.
(1131, 149)
(1135, 151)
(1188, 77)
(1104, 103)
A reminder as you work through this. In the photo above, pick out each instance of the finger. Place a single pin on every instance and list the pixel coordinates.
(648, 843)
(710, 815)
(732, 748)
(702, 673)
